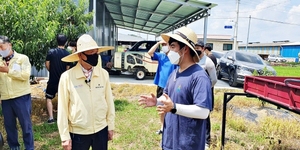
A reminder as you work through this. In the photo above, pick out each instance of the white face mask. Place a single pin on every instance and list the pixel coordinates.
(165, 49)
(5, 53)
(174, 57)
(69, 48)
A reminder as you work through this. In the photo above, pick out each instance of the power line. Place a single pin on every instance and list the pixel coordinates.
(275, 21)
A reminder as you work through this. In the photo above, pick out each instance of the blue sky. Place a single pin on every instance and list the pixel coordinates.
(285, 11)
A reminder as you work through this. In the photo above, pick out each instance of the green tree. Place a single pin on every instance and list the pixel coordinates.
(32, 25)
(74, 19)
(26, 23)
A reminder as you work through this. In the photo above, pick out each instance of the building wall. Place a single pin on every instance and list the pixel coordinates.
(218, 45)
(262, 50)
(290, 51)
(41, 73)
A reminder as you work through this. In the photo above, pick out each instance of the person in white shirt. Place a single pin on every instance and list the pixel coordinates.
(208, 65)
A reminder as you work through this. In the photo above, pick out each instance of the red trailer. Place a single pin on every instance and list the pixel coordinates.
(283, 92)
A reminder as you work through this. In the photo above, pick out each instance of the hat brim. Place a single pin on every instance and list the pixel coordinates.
(166, 37)
(74, 57)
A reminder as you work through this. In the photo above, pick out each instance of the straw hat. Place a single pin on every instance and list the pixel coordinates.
(184, 35)
(85, 43)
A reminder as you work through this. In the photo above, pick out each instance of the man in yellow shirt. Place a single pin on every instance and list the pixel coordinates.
(86, 109)
(15, 92)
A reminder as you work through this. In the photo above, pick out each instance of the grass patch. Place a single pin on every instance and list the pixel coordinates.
(291, 71)
(136, 126)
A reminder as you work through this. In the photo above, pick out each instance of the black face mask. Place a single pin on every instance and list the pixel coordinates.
(91, 59)
(198, 52)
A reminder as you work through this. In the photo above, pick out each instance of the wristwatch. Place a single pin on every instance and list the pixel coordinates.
(174, 110)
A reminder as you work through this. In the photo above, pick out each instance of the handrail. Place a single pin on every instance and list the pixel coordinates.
(287, 82)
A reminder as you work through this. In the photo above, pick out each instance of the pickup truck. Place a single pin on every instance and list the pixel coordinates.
(136, 60)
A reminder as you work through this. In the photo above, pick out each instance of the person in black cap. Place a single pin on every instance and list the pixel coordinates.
(15, 92)
(207, 50)
(55, 67)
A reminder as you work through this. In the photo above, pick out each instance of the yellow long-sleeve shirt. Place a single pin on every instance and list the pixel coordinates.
(15, 83)
(84, 109)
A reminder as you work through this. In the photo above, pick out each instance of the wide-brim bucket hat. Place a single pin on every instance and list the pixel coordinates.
(85, 43)
(184, 35)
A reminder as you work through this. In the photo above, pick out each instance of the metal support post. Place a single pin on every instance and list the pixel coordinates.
(227, 97)
(248, 33)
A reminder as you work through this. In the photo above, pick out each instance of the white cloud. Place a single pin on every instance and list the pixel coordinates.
(294, 15)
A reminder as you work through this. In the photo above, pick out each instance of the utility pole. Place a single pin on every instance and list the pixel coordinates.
(236, 25)
(205, 27)
(205, 30)
(248, 33)
(94, 19)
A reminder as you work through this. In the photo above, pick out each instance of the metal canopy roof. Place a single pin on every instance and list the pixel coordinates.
(156, 16)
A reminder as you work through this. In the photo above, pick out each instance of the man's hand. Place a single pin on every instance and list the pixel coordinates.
(4, 67)
(67, 145)
(167, 105)
(147, 101)
(110, 134)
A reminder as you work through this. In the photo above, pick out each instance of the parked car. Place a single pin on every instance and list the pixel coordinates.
(235, 65)
(218, 54)
(276, 58)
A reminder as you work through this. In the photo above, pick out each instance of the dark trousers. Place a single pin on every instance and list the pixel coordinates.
(98, 141)
(208, 125)
(20, 108)
(207, 135)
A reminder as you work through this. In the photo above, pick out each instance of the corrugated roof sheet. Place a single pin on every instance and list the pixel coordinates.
(156, 16)
(292, 44)
(261, 44)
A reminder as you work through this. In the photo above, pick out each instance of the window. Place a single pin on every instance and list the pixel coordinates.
(227, 47)
(211, 45)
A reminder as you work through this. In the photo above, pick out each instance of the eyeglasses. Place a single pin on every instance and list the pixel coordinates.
(187, 39)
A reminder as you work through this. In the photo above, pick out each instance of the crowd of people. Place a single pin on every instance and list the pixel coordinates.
(185, 78)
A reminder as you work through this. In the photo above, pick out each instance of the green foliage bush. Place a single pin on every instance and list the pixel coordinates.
(266, 72)
(32, 25)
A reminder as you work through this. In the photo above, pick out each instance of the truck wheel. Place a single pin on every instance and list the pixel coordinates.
(232, 78)
(140, 74)
(219, 76)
